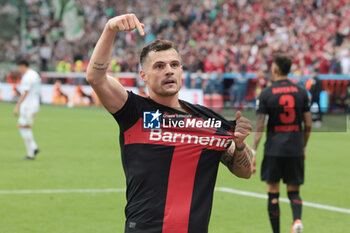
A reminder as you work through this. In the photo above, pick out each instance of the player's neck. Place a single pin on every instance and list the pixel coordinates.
(279, 78)
(169, 101)
(25, 71)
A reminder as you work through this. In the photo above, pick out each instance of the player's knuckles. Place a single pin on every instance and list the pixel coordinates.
(132, 16)
(245, 121)
(128, 16)
(122, 25)
(130, 21)
(248, 127)
(243, 133)
(132, 24)
(244, 127)
(126, 24)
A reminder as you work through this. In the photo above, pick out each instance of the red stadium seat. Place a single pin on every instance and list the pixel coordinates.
(214, 101)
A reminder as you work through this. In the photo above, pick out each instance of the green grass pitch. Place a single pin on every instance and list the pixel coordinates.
(79, 150)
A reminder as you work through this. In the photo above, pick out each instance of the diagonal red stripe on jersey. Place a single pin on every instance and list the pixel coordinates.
(180, 190)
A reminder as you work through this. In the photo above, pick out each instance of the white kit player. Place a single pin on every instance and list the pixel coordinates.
(28, 106)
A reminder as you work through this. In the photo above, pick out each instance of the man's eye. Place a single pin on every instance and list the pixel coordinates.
(175, 65)
(159, 66)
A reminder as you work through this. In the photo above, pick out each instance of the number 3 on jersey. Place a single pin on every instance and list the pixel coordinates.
(288, 103)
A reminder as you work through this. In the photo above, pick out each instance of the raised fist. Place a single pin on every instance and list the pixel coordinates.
(127, 22)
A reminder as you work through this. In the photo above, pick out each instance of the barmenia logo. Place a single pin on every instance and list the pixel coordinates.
(188, 138)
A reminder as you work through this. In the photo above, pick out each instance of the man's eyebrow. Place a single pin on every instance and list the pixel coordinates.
(162, 62)
(158, 62)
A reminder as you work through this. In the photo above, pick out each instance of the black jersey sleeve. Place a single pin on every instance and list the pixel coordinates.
(262, 103)
(129, 113)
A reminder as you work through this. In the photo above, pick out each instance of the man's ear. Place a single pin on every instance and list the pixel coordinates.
(275, 70)
(143, 76)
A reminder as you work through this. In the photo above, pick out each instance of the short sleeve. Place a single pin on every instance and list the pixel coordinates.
(262, 104)
(129, 113)
(25, 84)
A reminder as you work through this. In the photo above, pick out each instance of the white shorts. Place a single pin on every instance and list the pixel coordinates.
(26, 116)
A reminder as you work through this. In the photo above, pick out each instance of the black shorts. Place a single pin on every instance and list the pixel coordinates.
(290, 169)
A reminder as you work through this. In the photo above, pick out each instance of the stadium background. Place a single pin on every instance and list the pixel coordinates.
(225, 45)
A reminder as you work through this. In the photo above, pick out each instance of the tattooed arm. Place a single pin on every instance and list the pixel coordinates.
(259, 129)
(238, 162)
(110, 92)
(238, 157)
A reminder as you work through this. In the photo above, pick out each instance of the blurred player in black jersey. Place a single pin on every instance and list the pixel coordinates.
(170, 148)
(287, 107)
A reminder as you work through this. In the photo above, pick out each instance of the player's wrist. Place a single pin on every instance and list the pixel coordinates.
(240, 146)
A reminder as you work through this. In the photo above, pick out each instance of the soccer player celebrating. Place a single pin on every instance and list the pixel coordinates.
(287, 106)
(28, 106)
(170, 148)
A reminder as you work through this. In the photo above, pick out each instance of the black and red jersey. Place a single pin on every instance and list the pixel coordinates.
(170, 159)
(285, 103)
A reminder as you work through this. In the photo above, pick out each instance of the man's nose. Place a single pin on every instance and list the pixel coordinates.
(169, 70)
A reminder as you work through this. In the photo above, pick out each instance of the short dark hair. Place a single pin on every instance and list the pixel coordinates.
(283, 62)
(23, 62)
(157, 45)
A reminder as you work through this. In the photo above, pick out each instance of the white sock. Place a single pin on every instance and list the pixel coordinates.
(27, 136)
(33, 144)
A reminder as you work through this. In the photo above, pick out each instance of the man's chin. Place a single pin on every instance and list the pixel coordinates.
(169, 92)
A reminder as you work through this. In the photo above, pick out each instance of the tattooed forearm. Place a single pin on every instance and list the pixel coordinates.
(100, 66)
(243, 158)
(238, 162)
(227, 158)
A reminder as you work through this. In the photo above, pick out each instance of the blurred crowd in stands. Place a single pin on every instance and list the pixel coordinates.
(219, 35)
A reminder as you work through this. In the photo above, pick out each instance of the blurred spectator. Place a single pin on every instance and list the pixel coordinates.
(211, 83)
(115, 67)
(80, 98)
(260, 83)
(198, 80)
(58, 96)
(219, 83)
(345, 62)
(315, 90)
(78, 66)
(45, 52)
(187, 81)
(239, 89)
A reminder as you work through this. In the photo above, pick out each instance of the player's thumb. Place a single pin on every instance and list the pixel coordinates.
(238, 115)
